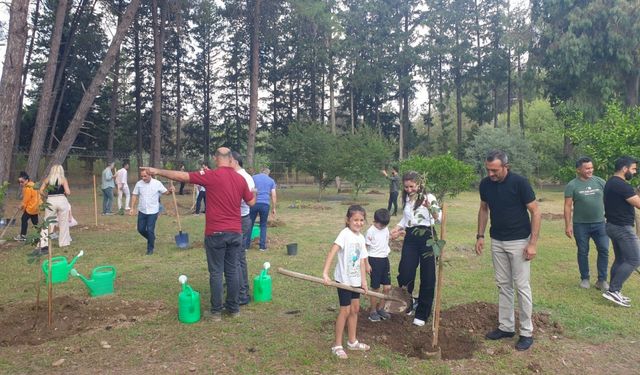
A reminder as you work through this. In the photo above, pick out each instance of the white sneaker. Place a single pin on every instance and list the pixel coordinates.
(418, 322)
(616, 297)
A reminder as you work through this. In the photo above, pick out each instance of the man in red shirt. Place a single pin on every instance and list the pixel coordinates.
(225, 189)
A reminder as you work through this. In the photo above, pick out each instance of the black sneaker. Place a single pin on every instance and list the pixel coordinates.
(498, 334)
(524, 343)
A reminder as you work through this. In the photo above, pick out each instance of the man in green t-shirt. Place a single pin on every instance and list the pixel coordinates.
(585, 195)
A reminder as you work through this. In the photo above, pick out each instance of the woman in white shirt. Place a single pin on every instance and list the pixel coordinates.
(417, 223)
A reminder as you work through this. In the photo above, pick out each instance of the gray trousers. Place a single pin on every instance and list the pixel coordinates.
(626, 248)
(243, 275)
(513, 270)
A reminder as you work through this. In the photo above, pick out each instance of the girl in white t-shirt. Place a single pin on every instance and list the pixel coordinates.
(350, 270)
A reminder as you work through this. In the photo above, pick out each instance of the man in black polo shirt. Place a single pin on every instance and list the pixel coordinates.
(508, 197)
(619, 201)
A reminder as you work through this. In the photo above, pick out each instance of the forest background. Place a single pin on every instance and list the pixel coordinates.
(168, 81)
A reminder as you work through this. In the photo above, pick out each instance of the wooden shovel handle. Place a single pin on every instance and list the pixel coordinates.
(175, 204)
(319, 280)
(9, 222)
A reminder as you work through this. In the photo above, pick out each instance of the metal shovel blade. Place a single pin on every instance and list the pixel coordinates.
(182, 240)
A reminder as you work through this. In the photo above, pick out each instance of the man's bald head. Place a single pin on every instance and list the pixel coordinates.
(223, 157)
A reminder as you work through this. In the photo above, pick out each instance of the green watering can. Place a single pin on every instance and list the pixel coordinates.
(188, 303)
(255, 232)
(262, 285)
(59, 268)
(101, 282)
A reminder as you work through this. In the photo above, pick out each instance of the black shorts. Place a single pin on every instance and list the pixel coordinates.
(345, 296)
(380, 272)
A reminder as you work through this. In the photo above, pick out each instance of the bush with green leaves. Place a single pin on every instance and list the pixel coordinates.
(363, 154)
(616, 134)
(444, 175)
(522, 156)
(311, 148)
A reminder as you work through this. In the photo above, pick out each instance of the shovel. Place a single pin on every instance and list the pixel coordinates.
(182, 239)
(7, 226)
(399, 304)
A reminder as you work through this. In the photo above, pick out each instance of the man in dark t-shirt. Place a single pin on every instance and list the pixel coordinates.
(394, 188)
(225, 189)
(509, 199)
(619, 201)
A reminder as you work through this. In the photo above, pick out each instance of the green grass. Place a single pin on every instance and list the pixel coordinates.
(267, 340)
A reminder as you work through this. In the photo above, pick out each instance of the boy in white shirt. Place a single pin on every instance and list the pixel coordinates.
(377, 241)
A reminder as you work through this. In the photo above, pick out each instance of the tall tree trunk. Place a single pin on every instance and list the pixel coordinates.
(138, 90)
(332, 102)
(25, 74)
(179, 88)
(207, 102)
(253, 84)
(520, 99)
(58, 88)
(45, 103)
(92, 91)
(54, 121)
(113, 110)
(352, 108)
(401, 135)
(509, 90)
(478, 58)
(632, 87)
(11, 81)
(156, 112)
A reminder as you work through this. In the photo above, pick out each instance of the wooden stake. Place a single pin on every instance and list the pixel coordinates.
(50, 280)
(95, 199)
(439, 279)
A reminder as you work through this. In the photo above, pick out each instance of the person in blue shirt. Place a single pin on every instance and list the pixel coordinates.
(266, 197)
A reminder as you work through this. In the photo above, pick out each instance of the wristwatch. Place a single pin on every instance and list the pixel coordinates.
(479, 236)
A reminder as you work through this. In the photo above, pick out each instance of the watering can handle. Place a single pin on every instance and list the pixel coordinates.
(106, 267)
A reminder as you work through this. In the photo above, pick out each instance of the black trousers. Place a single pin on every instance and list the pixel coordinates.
(393, 201)
(416, 252)
(25, 222)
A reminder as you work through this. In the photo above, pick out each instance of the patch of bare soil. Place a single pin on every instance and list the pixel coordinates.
(376, 192)
(313, 206)
(396, 245)
(349, 203)
(462, 330)
(23, 325)
(552, 216)
(272, 223)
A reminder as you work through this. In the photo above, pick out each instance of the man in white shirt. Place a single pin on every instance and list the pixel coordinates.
(243, 294)
(149, 190)
(123, 187)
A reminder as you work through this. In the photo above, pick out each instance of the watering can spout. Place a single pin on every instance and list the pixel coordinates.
(73, 261)
(75, 273)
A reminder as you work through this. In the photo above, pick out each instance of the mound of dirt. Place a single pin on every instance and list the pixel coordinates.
(376, 192)
(23, 325)
(272, 223)
(462, 330)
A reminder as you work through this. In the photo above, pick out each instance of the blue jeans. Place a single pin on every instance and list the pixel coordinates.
(596, 231)
(201, 198)
(261, 209)
(626, 248)
(222, 250)
(147, 228)
(107, 200)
